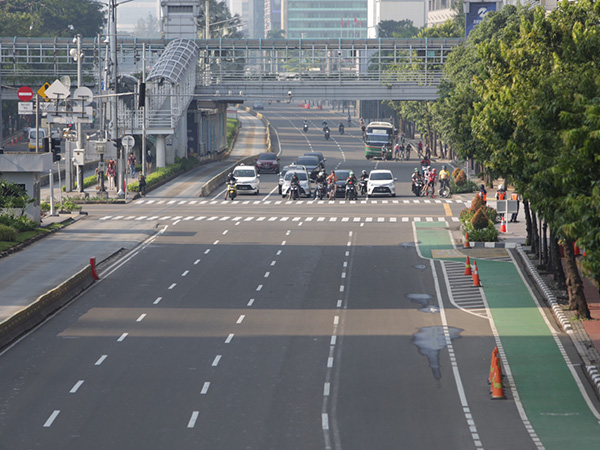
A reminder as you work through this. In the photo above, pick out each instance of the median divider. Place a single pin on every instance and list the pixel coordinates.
(45, 305)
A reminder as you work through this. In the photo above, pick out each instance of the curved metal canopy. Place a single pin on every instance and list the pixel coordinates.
(174, 61)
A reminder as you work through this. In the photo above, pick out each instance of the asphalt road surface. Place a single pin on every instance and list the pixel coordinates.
(264, 324)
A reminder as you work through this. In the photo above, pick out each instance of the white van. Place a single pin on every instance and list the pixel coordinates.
(32, 138)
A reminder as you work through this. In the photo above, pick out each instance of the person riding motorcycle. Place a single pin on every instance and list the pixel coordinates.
(384, 151)
(364, 176)
(294, 181)
(331, 183)
(321, 179)
(351, 181)
(230, 180)
(417, 180)
(325, 126)
(444, 177)
(341, 128)
(305, 126)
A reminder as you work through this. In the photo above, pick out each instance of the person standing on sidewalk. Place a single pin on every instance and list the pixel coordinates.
(483, 194)
(131, 164)
(149, 160)
(111, 173)
(142, 185)
(515, 196)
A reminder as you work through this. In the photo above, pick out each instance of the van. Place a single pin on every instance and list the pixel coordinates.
(33, 137)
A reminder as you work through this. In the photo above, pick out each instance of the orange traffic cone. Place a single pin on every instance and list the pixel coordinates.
(576, 250)
(497, 389)
(503, 225)
(467, 245)
(495, 361)
(468, 267)
(476, 281)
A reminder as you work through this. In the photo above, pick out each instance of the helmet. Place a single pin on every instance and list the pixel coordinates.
(433, 170)
(444, 167)
(230, 174)
(416, 170)
(364, 172)
(333, 172)
(351, 173)
(501, 187)
(322, 172)
(482, 187)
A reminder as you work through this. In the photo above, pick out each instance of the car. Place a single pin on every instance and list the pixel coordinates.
(313, 167)
(284, 171)
(247, 180)
(267, 162)
(304, 182)
(381, 181)
(258, 106)
(319, 155)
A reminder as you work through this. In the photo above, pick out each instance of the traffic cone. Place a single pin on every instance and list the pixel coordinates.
(503, 225)
(476, 281)
(467, 245)
(494, 365)
(468, 267)
(497, 389)
(576, 250)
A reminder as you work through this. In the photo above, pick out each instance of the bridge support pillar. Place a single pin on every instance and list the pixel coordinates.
(161, 150)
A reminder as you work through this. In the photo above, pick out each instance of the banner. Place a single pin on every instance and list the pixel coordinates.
(477, 12)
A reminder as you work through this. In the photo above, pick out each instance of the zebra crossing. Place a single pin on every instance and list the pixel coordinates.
(265, 201)
(233, 218)
(461, 291)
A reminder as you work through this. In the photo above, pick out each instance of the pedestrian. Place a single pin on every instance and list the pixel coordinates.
(111, 172)
(142, 185)
(98, 176)
(483, 194)
(149, 160)
(131, 163)
(427, 152)
(515, 196)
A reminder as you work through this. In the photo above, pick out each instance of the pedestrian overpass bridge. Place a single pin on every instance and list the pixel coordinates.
(214, 72)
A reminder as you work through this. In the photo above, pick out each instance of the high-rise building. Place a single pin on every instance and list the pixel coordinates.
(310, 19)
(413, 10)
(273, 17)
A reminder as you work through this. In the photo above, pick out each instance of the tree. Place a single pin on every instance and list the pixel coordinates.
(396, 29)
(147, 28)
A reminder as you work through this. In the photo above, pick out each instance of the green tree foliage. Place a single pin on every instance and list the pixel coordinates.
(222, 24)
(51, 18)
(397, 29)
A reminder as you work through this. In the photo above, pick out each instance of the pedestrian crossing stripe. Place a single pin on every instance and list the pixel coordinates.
(289, 202)
(279, 218)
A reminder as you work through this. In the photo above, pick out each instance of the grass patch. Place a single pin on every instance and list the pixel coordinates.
(22, 237)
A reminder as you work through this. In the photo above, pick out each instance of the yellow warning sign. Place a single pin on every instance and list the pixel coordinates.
(42, 91)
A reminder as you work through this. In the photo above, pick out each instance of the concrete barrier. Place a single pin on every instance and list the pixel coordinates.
(45, 305)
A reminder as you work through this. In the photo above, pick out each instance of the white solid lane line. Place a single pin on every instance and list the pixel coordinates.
(193, 419)
(51, 418)
(77, 386)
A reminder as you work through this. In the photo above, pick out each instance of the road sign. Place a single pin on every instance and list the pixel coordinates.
(57, 91)
(83, 94)
(42, 91)
(25, 108)
(25, 94)
(128, 142)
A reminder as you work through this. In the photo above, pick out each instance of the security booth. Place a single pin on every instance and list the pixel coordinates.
(25, 169)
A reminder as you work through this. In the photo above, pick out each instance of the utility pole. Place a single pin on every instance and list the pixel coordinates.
(206, 20)
(78, 57)
(1, 119)
(143, 102)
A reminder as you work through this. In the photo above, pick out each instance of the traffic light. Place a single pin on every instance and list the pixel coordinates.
(142, 95)
(45, 144)
(55, 147)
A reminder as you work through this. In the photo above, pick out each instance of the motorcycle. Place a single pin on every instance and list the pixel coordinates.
(417, 187)
(362, 186)
(305, 128)
(341, 129)
(231, 191)
(294, 192)
(327, 134)
(321, 190)
(351, 192)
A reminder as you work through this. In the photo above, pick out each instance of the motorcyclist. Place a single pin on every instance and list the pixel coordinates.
(351, 181)
(321, 179)
(417, 178)
(384, 151)
(397, 151)
(341, 128)
(325, 126)
(331, 182)
(349, 119)
(444, 177)
(364, 176)
(230, 180)
(294, 181)
(305, 126)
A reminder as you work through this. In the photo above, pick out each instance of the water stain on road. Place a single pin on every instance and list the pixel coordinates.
(420, 266)
(423, 300)
(429, 341)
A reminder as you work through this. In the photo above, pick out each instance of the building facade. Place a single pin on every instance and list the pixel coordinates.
(333, 19)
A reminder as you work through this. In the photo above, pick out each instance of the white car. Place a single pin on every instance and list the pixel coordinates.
(381, 182)
(302, 177)
(247, 180)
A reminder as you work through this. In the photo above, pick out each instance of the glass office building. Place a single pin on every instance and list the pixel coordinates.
(331, 19)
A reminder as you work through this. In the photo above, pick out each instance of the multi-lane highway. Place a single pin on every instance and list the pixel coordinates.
(266, 324)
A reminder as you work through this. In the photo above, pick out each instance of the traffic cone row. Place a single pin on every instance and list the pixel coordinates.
(495, 377)
(503, 225)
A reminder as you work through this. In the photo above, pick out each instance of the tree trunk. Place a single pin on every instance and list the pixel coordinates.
(545, 245)
(577, 300)
(555, 261)
(528, 220)
(535, 241)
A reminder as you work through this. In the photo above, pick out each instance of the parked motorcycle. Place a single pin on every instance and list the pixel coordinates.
(231, 191)
(305, 127)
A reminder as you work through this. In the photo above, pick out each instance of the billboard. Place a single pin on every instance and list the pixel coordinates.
(476, 13)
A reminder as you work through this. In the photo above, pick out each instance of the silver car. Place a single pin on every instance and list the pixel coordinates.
(302, 177)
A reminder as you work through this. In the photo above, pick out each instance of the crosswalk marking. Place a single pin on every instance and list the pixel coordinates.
(405, 219)
(177, 202)
(260, 219)
(152, 218)
(198, 218)
(224, 218)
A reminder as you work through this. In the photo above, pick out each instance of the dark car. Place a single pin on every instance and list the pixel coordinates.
(319, 155)
(258, 106)
(267, 162)
(313, 167)
(340, 185)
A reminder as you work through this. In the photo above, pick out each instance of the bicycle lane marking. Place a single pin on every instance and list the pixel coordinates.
(548, 393)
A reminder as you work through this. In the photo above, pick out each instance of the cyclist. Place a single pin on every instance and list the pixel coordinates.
(444, 177)
(431, 182)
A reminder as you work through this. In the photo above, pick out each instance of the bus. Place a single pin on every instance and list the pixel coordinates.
(377, 135)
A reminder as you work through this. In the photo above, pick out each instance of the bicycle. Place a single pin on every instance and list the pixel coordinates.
(428, 191)
(445, 191)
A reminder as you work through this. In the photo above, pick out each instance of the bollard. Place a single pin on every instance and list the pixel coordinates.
(93, 264)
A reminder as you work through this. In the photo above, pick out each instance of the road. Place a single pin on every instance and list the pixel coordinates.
(265, 324)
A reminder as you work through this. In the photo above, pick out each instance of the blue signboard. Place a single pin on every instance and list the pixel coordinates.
(477, 12)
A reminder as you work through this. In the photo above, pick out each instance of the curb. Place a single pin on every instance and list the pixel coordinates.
(494, 245)
(594, 376)
(44, 306)
(550, 298)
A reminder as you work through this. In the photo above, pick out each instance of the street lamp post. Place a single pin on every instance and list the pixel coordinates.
(78, 56)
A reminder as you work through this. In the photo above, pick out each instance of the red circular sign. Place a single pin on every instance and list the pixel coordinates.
(25, 94)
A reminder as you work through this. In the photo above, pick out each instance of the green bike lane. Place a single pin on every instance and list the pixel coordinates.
(548, 391)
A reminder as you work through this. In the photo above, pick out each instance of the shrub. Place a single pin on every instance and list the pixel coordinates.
(480, 220)
(476, 204)
(455, 172)
(491, 213)
(467, 187)
(70, 206)
(19, 223)
(7, 233)
(488, 234)
(45, 206)
(460, 178)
